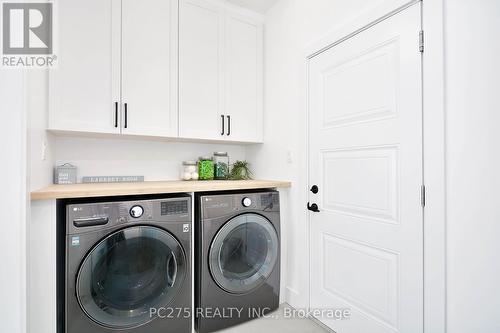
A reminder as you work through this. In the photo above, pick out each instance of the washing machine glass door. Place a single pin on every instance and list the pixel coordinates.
(243, 253)
(128, 273)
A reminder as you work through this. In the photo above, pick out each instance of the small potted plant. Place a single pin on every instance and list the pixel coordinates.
(240, 171)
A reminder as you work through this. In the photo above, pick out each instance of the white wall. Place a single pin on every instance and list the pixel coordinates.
(473, 162)
(41, 307)
(14, 200)
(40, 143)
(156, 160)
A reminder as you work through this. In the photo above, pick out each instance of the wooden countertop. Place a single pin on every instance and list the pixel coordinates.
(115, 189)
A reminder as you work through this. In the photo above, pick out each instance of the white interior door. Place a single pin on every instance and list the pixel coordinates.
(149, 67)
(365, 147)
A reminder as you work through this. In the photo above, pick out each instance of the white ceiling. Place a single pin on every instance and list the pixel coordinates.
(260, 6)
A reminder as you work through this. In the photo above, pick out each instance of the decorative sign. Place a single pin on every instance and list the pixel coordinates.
(113, 179)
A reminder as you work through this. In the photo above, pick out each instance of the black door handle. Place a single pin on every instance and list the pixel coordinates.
(126, 116)
(228, 125)
(314, 189)
(222, 119)
(313, 207)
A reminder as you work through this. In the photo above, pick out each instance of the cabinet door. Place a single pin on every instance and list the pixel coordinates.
(244, 79)
(149, 67)
(85, 85)
(200, 70)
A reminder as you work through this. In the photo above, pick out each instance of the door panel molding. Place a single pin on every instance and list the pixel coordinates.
(387, 158)
(386, 309)
(358, 64)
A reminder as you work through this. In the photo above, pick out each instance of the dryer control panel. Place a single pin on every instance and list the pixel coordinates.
(220, 205)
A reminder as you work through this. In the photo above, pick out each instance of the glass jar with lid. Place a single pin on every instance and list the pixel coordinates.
(189, 170)
(205, 168)
(221, 165)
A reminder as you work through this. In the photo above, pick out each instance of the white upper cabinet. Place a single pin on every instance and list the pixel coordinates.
(243, 78)
(220, 73)
(201, 33)
(85, 85)
(117, 70)
(149, 67)
(167, 68)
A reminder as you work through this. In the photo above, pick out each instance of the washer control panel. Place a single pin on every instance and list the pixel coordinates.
(217, 205)
(84, 217)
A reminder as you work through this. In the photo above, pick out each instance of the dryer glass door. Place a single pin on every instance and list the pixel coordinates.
(243, 253)
(128, 273)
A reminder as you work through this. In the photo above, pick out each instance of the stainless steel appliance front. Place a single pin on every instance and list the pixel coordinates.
(126, 261)
(237, 258)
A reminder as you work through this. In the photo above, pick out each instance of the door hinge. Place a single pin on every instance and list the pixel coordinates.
(422, 195)
(421, 41)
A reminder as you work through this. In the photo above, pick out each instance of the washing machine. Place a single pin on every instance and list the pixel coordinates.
(237, 257)
(127, 265)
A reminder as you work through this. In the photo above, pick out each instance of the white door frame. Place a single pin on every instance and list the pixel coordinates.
(433, 148)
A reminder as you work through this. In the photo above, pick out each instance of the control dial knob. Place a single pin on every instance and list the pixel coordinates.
(136, 211)
(246, 202)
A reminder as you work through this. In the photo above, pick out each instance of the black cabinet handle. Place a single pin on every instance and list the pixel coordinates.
(314, 189)
(126, 116)
(313, 207)
(222, 119)
(116, 114)
(228, 125)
